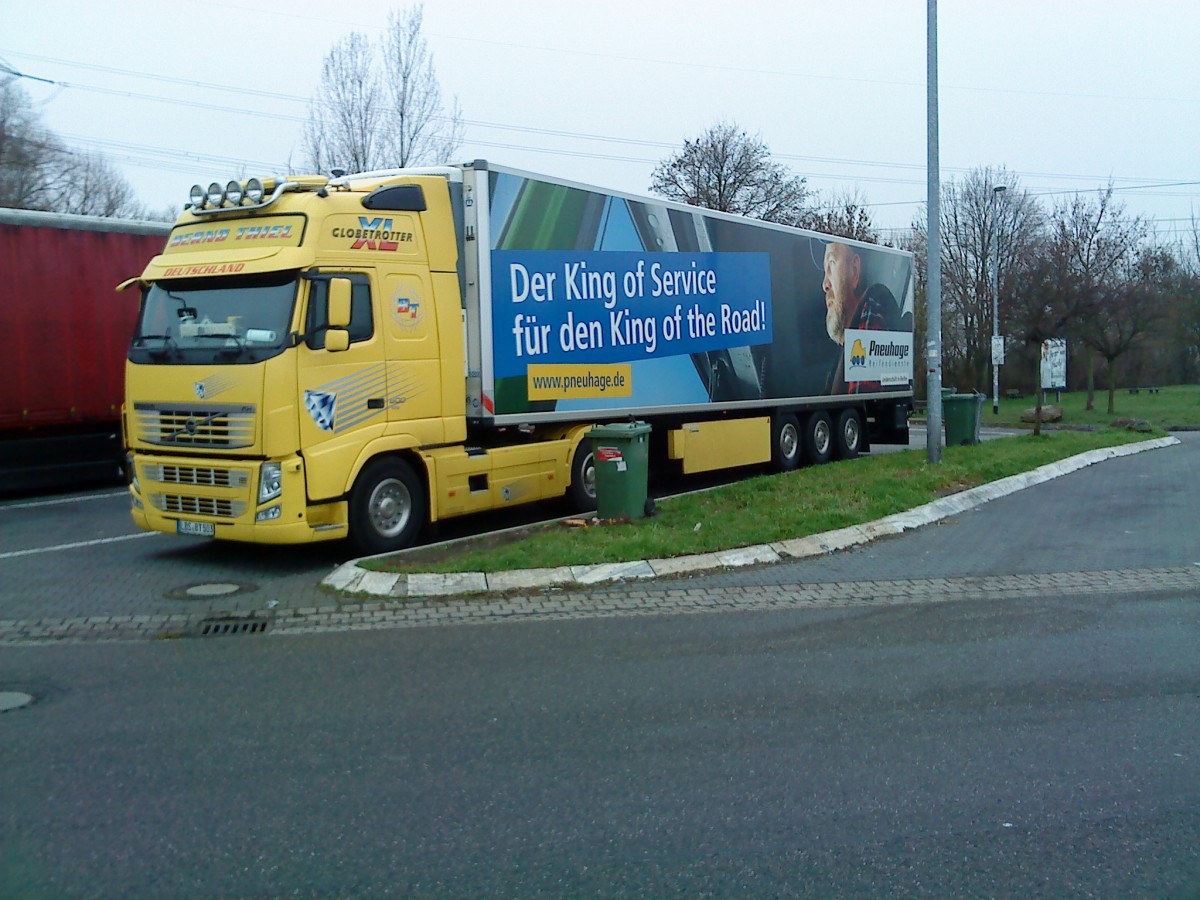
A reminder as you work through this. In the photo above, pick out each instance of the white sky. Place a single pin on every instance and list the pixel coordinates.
(1066, 94)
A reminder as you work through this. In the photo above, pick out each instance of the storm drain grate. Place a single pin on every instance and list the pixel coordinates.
(232, 625)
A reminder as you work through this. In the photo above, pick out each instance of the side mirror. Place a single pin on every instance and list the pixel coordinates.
(337, 340)
(339, 304)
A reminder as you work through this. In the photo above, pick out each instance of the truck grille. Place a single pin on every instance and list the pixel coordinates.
(226, 425)
(198, 506)
(200, 475)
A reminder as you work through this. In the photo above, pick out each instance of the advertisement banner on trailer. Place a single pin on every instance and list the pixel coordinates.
(605, 302)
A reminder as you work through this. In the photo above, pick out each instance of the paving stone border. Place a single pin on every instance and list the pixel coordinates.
(632, 600)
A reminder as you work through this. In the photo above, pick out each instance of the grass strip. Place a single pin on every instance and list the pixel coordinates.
(768, 508)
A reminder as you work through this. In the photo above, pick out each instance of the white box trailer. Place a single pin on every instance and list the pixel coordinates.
(587, 303)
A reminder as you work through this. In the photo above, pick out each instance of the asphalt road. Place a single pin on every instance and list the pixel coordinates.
(1038, 747)
(945, 743)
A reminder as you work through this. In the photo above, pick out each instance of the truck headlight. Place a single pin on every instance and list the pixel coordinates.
(270, 481)
(270, 514)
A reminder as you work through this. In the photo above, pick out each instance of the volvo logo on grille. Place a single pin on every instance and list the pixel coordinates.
(192, 426)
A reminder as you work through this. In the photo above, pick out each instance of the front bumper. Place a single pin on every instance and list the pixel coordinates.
(219, 497)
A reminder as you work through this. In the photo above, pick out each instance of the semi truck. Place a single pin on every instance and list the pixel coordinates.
(65, 333)
(358, 355)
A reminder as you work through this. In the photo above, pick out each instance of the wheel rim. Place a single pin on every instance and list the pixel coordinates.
(851, 433)
(822, 436)
(390, 507)
(588, 475)
(789, 441)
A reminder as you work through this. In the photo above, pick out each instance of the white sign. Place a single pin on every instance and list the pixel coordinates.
(882, 356)
(1054, 364)
(998, 350)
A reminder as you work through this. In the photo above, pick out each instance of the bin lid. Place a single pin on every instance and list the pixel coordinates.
(620, 430)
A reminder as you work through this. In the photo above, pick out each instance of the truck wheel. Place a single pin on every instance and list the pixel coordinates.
(581, 494)
(818, 439)
(387, 507)
(848, 436)
(785, 442)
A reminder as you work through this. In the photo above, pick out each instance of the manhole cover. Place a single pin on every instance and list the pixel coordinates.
(211, 590)
(219, 589)
(14, 700)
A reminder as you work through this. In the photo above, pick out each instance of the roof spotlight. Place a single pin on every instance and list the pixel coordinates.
(197, 197)
(216, 196)
(233, 192)
(254, 190)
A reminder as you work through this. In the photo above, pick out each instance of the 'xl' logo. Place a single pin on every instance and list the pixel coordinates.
(375, 234)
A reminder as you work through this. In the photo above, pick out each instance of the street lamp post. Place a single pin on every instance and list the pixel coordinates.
(997, 192)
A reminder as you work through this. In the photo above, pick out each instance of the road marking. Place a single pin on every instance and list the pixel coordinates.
(77, 544)
(34, 504)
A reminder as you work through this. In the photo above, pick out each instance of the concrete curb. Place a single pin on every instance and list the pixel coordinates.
(353, 578)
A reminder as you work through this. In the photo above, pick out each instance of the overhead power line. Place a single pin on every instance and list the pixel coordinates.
(476, 123)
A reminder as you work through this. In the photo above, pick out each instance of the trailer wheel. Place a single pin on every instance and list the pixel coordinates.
(387, 507)
(818, 439)
(581, 494)
(785, 442)
(848, 436)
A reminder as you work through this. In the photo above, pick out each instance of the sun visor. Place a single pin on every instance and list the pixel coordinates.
(227, 262)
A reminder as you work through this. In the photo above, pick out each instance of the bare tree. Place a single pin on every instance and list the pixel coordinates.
(979, 232)
(91, 186)
(1047, 301)
(1189, 305)
(728, 170)
(1099, 240)
(1130, 303)
(846, 215)
(345, 120)
(38, 171)
(28, 151)
(380, 105)
(420, 131)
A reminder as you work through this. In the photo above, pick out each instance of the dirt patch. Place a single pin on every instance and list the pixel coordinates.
(956, 487)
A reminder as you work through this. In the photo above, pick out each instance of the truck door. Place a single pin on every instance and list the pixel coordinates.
(342, 393)
(410, 333)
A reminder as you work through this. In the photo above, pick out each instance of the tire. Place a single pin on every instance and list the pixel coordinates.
(387, 507)
(818, 439)
(848, 436)
(786, 442)
(581, 493)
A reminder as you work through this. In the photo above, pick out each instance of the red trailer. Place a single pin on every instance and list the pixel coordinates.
(64, 333)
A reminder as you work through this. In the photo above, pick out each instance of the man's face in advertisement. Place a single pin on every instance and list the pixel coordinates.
(843, 269)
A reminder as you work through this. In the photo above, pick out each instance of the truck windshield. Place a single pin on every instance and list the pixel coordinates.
(238, 319)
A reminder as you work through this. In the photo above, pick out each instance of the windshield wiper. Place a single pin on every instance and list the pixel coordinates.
(168, 343)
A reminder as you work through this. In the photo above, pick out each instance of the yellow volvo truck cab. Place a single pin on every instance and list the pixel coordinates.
(320, 358)
(297, 372)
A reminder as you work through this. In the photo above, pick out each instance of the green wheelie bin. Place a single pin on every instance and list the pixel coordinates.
(622, 452)
(962, 413)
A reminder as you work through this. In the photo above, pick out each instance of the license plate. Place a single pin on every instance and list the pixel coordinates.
(203, 529)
